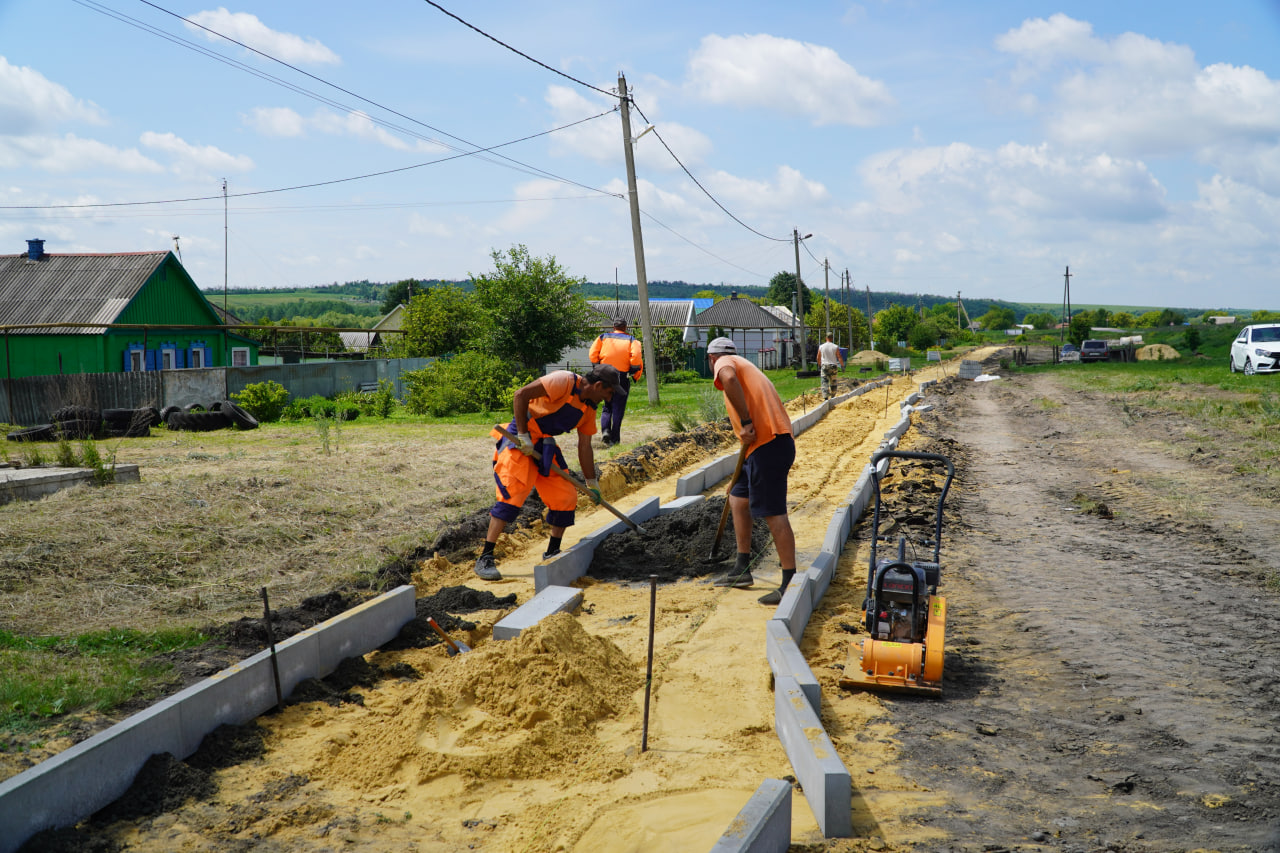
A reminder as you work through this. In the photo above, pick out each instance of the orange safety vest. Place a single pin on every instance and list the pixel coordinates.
(619, 350)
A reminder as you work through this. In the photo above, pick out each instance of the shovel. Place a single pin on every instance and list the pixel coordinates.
(455, 647)
(578, 484)
(724, 513)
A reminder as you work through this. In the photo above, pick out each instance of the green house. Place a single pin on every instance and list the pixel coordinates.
(123, 312)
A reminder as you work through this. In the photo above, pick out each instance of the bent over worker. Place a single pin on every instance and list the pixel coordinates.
(622, 352)
(762, 425)
(832, 360)
(557, 403)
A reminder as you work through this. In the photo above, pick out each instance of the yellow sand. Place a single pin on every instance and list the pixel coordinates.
(1157, 352)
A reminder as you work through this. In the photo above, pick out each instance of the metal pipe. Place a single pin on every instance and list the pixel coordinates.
(648, 673)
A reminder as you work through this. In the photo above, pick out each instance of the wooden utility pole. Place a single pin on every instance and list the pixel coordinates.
(871, 325)
(826, 286)
(1066, 302)
(642, 281)
(849, 305)
(804, 349)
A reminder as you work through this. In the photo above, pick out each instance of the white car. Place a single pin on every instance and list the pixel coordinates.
(1256, 349)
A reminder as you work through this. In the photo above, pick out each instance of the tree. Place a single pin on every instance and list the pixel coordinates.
(894, 324)
(400, 293)
(1124, 320)
(438, 321)
(1192, 338)
(1148, 320)
(1169, 317)
(1080, 328)
(531, 310)
(783, 286)
(1041, 320)
(707, 294)
(998, 318)
(925, 335)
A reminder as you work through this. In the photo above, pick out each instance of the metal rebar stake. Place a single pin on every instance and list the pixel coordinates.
(271, 642)
(648, 674)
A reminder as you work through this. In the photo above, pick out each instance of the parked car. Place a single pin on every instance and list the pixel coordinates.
(1093, 351)
(1256, 349)
(1069, 353)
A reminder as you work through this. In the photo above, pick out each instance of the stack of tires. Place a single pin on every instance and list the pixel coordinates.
(195, 418)
(130, 423)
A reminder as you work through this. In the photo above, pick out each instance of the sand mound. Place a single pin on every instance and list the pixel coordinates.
(867, 355)
(518, 709)
(1157, 352)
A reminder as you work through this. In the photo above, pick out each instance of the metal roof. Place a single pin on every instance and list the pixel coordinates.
(735, 313)
(72, 288)
(676, 313)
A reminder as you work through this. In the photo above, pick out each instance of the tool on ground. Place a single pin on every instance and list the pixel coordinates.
(903, 613)
(724, 513)
(648, 670)
(578, 484)
(271, 642)
(456, 647)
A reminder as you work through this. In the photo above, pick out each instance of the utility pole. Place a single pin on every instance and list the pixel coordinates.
(871, 324)
(826, 302)
(849, 305)
(642, 281)
(1066, 300)
(226, 344)
(804, 349)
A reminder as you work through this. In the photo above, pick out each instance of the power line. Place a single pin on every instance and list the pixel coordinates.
(702, 249)
(319, 183)
(518, 52)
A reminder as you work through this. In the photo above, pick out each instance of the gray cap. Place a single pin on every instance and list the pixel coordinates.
(722, 346)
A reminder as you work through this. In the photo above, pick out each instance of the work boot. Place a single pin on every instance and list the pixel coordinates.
(771, 598)
(487, 568)
(734, 578)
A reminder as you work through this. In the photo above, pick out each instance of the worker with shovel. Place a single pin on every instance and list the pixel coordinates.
(557, 403)
(762, 425)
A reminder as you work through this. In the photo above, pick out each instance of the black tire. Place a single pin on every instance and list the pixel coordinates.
(198, 421)
(77, 429)
(76, 413)
(806, 374)
(149, 415)
(167, 411)
(118, 418)
(43, 432)
(240, 419)
(139, 429)
(215, 406)
(194, 407)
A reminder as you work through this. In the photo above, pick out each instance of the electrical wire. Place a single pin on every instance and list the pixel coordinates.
(702, 249)
(520, 53)
(317, 183)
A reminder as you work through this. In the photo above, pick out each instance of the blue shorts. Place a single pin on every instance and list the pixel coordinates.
(764, 480)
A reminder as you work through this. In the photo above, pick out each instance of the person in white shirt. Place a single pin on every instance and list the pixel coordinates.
(831, 360)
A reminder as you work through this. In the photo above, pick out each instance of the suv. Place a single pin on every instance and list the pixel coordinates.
(1256, 349)
(1093, 351)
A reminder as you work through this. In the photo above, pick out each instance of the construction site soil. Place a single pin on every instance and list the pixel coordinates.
(1110, 682)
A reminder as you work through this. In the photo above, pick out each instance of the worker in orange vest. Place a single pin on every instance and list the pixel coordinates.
(621, 351)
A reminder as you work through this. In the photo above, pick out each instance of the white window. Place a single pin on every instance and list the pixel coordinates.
(168, 359)
(239, 356)
(197, 357)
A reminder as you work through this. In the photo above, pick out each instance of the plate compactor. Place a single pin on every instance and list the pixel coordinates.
(903, 613)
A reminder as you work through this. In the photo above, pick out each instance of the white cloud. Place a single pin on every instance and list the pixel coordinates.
(286, 123)
(70, 153)
(788, 188)
(791, 77)
(601, 139)
(202, 157)
(276, 121)
(30, 102)
(247, 29)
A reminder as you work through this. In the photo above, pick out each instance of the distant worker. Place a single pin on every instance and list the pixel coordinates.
(553, 405)
(621, 351)
(761, 423)
(832, 359)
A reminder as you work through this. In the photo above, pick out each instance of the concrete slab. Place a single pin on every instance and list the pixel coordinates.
(567, 566)
(763, 825)
(29, 484)
(824, 779)
(552, 600)
(693, 483)
(681, 503)
(837, 531)
(821, 572)
(797, 605)
(783, 654)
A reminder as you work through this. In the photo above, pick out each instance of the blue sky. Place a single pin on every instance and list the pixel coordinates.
(928, 147)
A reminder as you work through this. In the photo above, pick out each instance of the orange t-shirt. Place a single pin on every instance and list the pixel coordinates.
(764, 406)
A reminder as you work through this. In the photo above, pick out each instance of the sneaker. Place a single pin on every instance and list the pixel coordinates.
(607, 442)
(735, 579)
(771, 598)
(547, 555)
(487, 568)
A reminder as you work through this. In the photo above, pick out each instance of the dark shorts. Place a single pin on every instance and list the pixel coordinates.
(764, 477)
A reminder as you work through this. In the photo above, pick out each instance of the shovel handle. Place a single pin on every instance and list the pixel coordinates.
(434, 627)
(724, 512)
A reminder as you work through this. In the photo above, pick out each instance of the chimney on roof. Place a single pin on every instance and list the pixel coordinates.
(733, 294)
(35, 249)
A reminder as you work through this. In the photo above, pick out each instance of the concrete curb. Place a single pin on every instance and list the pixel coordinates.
(75, 783)
(763, 825)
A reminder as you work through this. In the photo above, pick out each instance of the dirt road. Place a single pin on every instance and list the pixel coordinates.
(1113, 675)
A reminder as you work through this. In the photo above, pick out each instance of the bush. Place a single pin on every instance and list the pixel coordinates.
(264, 400)
(675, 377)
(380, 403)
(469, 382)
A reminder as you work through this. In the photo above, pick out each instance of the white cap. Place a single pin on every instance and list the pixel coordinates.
(722, 346)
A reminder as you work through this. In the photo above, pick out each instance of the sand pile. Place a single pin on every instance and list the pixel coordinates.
(1157, 352)
(519, 709)
(867, 356)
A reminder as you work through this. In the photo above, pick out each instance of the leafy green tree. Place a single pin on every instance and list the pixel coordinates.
(783, 286)
(1080, 329)
(1264, 316)
(438, 321)
(707, 294)
(894, 324)
(998, 318)
(1169, 317)
(1192, 338)
(468, 382)
(1041, 320)
(400, 293)
(925, 335)
(531, 310)
(1124, 320)
(1148, 319)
